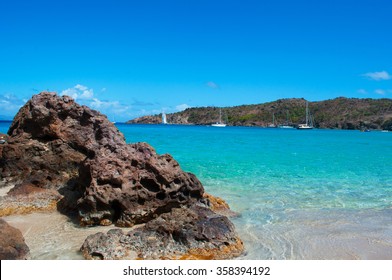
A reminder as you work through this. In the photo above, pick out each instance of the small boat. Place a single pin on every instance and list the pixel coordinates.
(220, 123)
(308, 120)
(164, 118)
(272, 125)
(286, 125)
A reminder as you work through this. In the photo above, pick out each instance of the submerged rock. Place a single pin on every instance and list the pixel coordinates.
(56, 145)
(12, 244)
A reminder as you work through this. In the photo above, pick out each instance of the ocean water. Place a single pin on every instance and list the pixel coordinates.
(317, 194)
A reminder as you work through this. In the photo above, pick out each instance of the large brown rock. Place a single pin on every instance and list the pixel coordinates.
(60, 147)
(49, 138)
(56, 143)
(12, 244)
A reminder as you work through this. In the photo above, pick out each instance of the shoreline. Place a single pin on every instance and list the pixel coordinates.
(58, 238)
(340, 235)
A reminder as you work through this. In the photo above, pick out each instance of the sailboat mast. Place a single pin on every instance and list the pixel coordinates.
(307, 113)
(287, 117)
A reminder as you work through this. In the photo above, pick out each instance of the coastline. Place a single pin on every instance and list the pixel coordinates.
(302, 235)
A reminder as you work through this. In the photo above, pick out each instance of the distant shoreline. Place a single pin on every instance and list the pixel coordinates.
(338, 113)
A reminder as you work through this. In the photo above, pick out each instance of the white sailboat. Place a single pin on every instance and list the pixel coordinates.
(308, 121)
(220, 123)
(286, 125)
(272, 125)
(164, 118)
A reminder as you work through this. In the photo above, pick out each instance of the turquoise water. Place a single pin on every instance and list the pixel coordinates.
(285, 168)
(319, 194)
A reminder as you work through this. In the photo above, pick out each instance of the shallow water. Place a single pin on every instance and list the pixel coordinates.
(52, 236)
(320, 194)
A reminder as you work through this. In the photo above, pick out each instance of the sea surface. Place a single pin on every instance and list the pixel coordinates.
(314, 194)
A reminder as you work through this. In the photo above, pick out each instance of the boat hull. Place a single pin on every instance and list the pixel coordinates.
(218, 125)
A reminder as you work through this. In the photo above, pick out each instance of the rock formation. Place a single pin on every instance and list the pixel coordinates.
(12, 245)
(184, 233)
(56, 145)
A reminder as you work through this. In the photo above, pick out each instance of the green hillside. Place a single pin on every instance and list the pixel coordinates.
(340, 113)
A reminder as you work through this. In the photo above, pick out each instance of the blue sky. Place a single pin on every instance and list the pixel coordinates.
(131, 58)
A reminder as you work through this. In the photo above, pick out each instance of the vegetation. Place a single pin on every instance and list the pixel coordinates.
(338, 113)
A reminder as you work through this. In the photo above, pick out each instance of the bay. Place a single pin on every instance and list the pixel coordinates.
(317, 194)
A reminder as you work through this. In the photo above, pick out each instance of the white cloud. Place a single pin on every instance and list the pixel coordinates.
(380, 91)
(112, 108)
(79, 92)
(182, 107)
(378, 76)
(212, 85)
(72, 92)
(109, 107)
(81, 87)
(87, 94)
(10, 104)
(362, 91)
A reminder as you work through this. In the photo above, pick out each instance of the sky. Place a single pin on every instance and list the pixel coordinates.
(133, 58)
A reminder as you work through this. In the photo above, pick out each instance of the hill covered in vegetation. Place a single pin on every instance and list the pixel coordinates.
(338, 113)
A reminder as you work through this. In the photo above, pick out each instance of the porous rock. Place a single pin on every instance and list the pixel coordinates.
(56, 143)
(194, 232)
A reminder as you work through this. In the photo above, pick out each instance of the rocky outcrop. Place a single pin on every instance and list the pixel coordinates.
(49, 138)
(56, 143)
(157, 119)
(12, 244)
(184, 233)
(59, 149)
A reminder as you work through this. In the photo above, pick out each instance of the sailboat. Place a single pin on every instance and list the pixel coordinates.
(164, 118)
(272, 125)
(220, 123)
(308, 122)
(286, 125)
